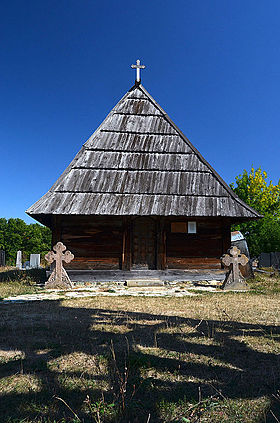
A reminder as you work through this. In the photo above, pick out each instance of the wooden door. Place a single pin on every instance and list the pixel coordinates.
(143, 243)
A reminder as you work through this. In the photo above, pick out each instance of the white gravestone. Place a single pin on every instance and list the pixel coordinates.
(19, 260)
(34, 261)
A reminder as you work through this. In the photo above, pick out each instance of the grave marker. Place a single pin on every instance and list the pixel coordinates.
(270, 260)
(19, 260)
(59, 277)
(34, 261)
(264, 260)
(234, 280)
(275, 259)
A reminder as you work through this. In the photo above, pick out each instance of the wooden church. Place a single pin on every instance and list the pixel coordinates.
(139, 195)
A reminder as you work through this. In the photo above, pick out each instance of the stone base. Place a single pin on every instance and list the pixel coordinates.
(54, 283)
(234, 285)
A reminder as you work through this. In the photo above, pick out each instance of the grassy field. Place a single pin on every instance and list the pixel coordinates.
(207, 358)
(17, 282)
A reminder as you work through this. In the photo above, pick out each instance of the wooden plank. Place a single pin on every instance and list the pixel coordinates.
(96, 243)
(130, 142)
(97, 263)
(138, 204)
(96, 159)
(200, 250)
(137, 107)
(130, 181)
(138, 124)
(193, 263)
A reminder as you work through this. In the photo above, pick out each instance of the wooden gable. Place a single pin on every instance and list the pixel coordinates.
(139, 163)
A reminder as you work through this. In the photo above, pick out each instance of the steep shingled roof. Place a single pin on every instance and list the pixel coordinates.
(139, 163)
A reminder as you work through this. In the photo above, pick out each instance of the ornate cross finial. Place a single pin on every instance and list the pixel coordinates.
(59, 277)
(138, 67)
(234, 279)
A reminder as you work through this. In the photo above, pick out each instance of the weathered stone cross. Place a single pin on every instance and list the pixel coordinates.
(234, 279)
(59, 277)
(138, 67)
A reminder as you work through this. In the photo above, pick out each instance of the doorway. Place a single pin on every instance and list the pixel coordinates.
(143, 243)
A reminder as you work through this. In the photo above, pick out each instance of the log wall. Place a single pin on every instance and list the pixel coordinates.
(200, 250)
(96, 242)
(106, 242)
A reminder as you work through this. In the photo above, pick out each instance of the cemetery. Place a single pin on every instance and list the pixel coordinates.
(147, 306)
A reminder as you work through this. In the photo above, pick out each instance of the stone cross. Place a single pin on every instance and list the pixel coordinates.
(59, 277)
(234, 279)
(138, 67)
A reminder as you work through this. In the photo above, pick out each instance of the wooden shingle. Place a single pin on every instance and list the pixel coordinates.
(139, 163)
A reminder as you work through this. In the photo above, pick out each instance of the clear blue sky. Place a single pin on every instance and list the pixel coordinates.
(213, 65)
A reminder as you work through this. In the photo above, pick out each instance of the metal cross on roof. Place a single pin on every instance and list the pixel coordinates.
(138, 67)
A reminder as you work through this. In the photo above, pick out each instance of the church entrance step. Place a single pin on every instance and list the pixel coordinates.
(145, 275)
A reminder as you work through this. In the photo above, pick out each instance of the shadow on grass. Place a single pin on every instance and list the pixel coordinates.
(150, 360)
(30, 275)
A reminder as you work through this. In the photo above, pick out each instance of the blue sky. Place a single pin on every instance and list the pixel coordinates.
(213, 65)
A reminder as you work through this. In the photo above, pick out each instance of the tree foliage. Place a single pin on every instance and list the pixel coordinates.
(16, 235)
(262, 235)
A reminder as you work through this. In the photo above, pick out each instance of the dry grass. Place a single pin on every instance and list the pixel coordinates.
(11, 289)
(17, 282)
(209, 358)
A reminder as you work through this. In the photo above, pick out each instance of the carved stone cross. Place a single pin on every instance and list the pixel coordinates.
(59, 277)
(138, 67)
(234, 279)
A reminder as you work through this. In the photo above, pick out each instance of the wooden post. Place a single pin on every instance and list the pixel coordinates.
(56, 229)
(126, 244)
(164, 263)
(161, 244)
(123, 245)
(226, 236)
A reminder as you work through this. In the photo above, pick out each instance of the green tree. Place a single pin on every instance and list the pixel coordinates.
(3, 231)
(16, 235)
(262, 235)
